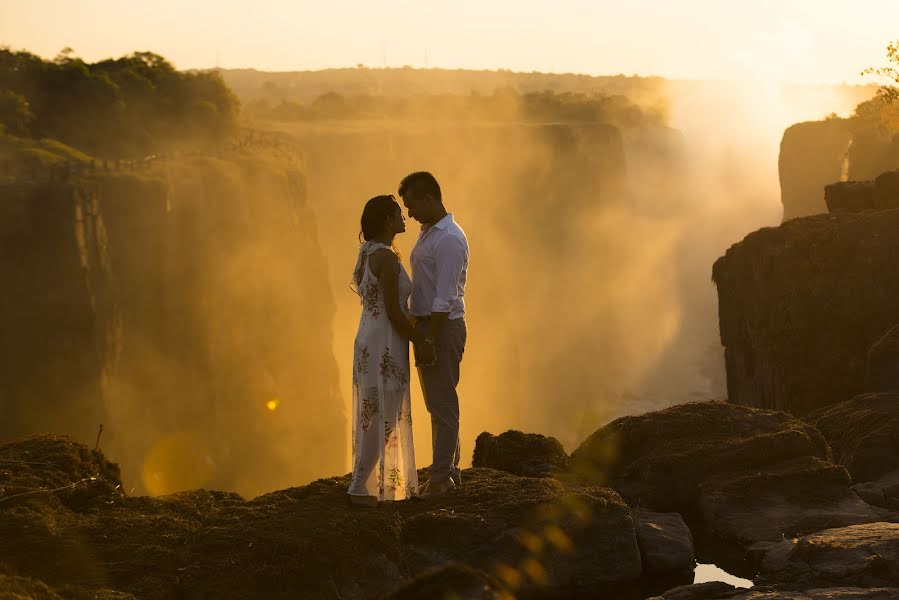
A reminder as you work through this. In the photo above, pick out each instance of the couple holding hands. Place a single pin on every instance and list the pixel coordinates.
(427, 310)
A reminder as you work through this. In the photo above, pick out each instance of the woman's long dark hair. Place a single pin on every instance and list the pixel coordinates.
(375, 215)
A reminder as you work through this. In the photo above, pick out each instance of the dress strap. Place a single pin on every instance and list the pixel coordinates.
(372, 246)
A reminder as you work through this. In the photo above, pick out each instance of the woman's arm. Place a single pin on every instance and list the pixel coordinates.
(386, 267)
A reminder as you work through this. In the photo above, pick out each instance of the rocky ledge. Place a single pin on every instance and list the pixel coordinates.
(624, 517)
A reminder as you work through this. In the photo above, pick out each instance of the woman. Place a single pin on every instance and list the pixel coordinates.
(383, 454)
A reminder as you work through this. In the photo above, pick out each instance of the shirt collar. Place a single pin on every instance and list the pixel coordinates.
(441, 224)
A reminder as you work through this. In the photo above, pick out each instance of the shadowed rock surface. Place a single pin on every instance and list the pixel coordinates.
(859, 555)
(658, 460)
(841, 593)
(711, 590)
(880, 194)
(525, 454)
(455, 581)
(791, 498)
(863, 433)
(800, 306)
(534, 535)
(882, 372)
(665, 542)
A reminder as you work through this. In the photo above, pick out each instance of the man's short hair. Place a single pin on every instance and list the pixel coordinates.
(420, 183)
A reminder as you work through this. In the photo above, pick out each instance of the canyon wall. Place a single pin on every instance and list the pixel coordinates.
(186, 308)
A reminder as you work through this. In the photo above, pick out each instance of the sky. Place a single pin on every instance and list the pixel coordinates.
(809, 41)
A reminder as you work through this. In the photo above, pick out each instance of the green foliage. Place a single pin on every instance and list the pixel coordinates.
(125, 107)
(15, 113)
(888, 92)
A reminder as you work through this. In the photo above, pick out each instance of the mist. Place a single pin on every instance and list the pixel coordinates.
(589, 293)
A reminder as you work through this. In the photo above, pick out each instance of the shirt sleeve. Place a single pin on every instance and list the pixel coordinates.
(451, 254)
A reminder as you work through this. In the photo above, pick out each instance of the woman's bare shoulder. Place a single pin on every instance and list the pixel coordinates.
(381, 258)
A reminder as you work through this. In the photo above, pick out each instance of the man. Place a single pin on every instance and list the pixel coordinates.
(439, 271)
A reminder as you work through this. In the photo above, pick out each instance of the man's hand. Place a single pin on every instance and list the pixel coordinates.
(425, 353)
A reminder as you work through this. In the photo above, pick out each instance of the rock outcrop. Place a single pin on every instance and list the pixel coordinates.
(665, 541)
(524, 454)
(860, 555)
(863, 433)
(527, 534)
(791, 498)
(882, 371)
(658, 460)
(800, 306)
(880, 194)
(811, 156)
(180, 306)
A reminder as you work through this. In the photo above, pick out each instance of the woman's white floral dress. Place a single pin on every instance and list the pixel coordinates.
(383, 454)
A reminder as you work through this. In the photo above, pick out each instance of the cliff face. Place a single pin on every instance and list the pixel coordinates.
(182, 308)
(817, 153)
(811, 156)
(801, 304)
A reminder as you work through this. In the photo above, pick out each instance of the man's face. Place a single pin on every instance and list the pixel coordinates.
(419, 206)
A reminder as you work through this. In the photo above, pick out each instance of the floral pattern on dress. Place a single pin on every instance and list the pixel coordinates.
(369, 407)
(389, 368)
(371, 299)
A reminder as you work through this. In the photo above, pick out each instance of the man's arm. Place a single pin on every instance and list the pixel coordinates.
(450, 256)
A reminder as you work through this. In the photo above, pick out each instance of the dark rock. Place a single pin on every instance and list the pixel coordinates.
(801, 304)
(453, 580)
(882, 372)
(850, 196)
(658, 460)
(528, 533)
(871, 493)
(788, 499)
(880, 194)
(525, 454)
(864, 555)
(25, 588)
(887, 189)
(710, 590)
(863, 434)
(665, 542)
(836, 593)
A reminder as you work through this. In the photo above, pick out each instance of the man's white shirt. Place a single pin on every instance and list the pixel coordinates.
(439, 270)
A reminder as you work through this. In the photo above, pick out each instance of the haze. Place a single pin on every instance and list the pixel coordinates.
(778, 40)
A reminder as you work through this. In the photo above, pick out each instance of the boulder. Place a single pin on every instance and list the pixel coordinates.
(870, 492)
(710, 590)
(524, 454)
(658, 460)
(863, 433)
(665, 542)
(887, 189)
(882, 371)
(850, 196)
(865, 555)
(527, 533)
(791, 498)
